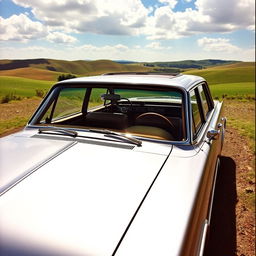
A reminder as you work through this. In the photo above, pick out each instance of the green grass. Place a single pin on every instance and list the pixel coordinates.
(246, 127)
(22, 86)
(236, 90)
(10, 124)
(227, 74)
(241, 116)
(234, 81)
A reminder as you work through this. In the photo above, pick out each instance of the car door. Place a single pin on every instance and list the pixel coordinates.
(206, 132)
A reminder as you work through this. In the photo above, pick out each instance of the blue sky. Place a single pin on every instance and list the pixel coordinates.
(137, 30)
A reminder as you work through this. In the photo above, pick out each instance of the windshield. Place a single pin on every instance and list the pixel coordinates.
(154, 114)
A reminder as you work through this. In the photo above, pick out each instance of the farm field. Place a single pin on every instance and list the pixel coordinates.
(22, 87)
(233, 83)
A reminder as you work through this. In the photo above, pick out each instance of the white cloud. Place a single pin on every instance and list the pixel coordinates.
(21, 28)
(96, 16)
(155, 46)
(58, 37)
(126, 17)
(136, 53)
(237, 13)
(103, 49)
(217, 45)
(210, 16)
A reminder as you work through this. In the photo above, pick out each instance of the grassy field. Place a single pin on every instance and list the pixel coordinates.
(234, 80)
(22, 87)
(244, 90)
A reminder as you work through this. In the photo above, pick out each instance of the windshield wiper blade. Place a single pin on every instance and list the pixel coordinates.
(123, 137)
(57, 130)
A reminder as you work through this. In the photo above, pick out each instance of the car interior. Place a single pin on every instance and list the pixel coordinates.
(151, 113)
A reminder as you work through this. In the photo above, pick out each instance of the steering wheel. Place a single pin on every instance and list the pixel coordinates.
(154, 116)
(124, 109)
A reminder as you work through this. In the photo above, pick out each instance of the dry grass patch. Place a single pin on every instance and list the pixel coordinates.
(16, 114)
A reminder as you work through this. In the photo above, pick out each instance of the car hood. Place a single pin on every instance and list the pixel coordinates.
(63, 197)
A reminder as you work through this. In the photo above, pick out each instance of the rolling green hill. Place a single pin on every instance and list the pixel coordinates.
(22, 87)
(23, 77)
(31, 73)
(21, 68)
(240, 72)
(233, 80)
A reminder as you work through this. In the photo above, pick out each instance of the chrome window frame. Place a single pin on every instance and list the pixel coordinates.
(207, 118)
(57, 87)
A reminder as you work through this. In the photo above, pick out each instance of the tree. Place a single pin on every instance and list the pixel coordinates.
(65, 76)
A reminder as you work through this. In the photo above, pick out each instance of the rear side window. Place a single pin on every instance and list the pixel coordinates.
(196, 116)
(205, 103)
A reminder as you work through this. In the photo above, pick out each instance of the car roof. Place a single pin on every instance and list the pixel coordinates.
(167, 80)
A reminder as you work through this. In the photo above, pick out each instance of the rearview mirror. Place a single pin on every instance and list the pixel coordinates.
(111, 97)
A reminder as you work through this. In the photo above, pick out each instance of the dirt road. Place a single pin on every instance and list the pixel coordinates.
(233, 221)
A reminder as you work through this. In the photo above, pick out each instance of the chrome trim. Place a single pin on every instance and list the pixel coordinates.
(203, 238)
(224, 120)
(212, 134)
(206, 125)
(219, 125)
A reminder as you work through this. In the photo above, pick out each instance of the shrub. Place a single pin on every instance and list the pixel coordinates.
(8, 97)
(40, 93)
(64, 77)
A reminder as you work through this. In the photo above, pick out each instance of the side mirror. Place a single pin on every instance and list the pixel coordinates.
(213, 134)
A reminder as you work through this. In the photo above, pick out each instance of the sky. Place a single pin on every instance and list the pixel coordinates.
(135, 30)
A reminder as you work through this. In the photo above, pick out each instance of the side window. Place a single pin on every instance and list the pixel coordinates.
(68, 103)
(205, 103)
(196, 116)
(95, 100)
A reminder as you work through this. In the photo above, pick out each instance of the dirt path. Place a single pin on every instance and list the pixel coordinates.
(236, 147)
(233, 220)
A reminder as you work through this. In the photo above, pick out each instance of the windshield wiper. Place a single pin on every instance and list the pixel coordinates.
(57, 130)
(107, 133)
(123, 137)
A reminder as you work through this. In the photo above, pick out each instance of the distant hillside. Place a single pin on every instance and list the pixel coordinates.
(32, 73)
(50, 69)
(125, 61)
(188, 64)
(47, 69)
(232, 73)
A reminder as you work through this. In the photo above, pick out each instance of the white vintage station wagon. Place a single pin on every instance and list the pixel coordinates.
(121, 164)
